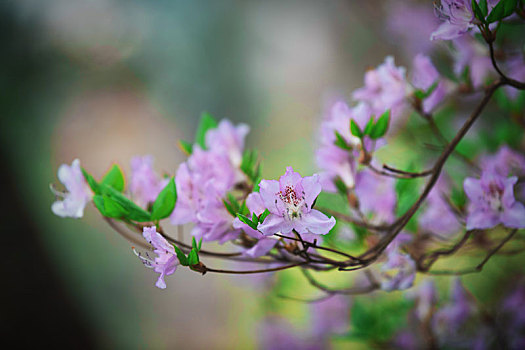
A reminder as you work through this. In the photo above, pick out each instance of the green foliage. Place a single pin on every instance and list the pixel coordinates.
(381, 126)
(503, 9)
(206, 123)
(233, 206)
(341, 186)
(250, 222)
(193, 255)
(420, 94)
(341, 142)
(378, 320)
(355, 129)
(480, 11)
(114, 178)
(263, 215)
(93, 184)
(250, 166)
(165, 202)
(186, 147)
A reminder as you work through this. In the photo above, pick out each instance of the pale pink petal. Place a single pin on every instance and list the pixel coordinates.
(275, 224)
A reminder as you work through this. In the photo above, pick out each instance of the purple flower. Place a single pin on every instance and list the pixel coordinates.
(505, 162)
(385, 88)
(453, 315)
(437, 216)
(78, 192)
(472, 54)
(166, 261)
(289, 201)
(426, 299)
(376, 195)
(516, 68)
(228, 139)
(425, 75)
(144, 184)
(458, 19)
(399, 270)
(492, 202)
(331, 316)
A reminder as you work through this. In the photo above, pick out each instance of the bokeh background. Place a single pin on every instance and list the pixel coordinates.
(104, 80)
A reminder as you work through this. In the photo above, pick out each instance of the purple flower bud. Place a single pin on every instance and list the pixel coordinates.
(78, 192)
(144, 184)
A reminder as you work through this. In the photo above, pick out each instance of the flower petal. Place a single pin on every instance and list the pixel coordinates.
(316, 222)
(275, 224)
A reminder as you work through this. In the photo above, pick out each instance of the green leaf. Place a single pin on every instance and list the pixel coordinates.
(355, 129)
(186, 147)
(341, 186)
(200, 245)
(247, 221)
(341, 142)
(114, 178)
(131, 211)
(181, 256)
(249, 165)
(98, 200)
(165, 202)
(263, 215)
(477, 10)
(369, 126)
(483, 7)
(206, 123)
(503, 9)
(381, 126)
(91, 181)
(193, 257)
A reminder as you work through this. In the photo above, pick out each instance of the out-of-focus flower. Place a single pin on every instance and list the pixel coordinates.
(424, 76)
(472, 54)
(228, 139)
(289, 201)
(516, 69)
(457, 16)
(144, 184)
(450, 318)
(331, 316)
(399, 270)
(377, 196)
(385, 88)
(276, 334)
(437, 217)
(426, 299)
(505, 162)
(166, 261)
(78, 192)
(492, 202)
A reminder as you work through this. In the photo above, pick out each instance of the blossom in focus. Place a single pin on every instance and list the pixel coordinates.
(457, 17)
(377, 196)
(228, 139)
(492, 202)
(289, 201)
(166, 261)
(399, 270)
(424, 76)
(144, 184)
(385, 88)
(77, 194)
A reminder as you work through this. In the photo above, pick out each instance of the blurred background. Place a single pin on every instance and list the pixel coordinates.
(104, 80)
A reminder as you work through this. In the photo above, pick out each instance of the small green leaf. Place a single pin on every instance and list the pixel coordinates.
(483, 7)
(381, 126)
(341, 142)
(477, 11)
(229, 208)
(114, 178)
(247, 221)
(165, 202)
(369, 126)
(181, 256)
(193, 242)
(355, 129)
(91, 181)
(193, 257)
(186, 147)
(200, 245)
(131, 210)
(263, 215)
(206, 123)
(503, 9)
(341, 186)
(98, 200)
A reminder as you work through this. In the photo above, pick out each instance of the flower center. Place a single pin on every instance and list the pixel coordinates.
(493, 197)
(293, 203)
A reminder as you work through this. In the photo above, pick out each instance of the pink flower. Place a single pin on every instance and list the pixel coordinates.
(166, 261)
(377, 196)
(385, 88)
(424, 76)
(144, 184)
(458, 19)
(472, 54)
(78, 192)
(492, 202)
(228, 139)
(289, 201)
(399, 270)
